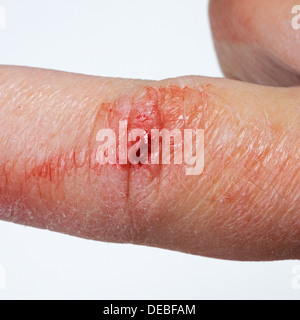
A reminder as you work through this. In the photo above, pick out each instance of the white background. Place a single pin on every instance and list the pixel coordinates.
(150, 39)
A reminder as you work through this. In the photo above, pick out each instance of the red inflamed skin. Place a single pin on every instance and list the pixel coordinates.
(245, 205)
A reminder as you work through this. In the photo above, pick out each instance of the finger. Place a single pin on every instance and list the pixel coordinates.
(257, 41)
(245, 205)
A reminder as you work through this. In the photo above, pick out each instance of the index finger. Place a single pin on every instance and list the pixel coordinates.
(244, 205)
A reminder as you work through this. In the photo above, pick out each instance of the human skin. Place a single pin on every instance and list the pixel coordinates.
(255, 41)
(244, 206)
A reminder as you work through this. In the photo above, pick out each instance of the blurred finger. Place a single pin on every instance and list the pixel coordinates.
(258, 41)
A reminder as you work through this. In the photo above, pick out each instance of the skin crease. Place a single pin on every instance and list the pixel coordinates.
(245, 205)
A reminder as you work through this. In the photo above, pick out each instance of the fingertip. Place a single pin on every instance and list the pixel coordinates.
(255, 41)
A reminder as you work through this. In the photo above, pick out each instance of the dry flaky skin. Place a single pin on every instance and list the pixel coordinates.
(244, 206)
